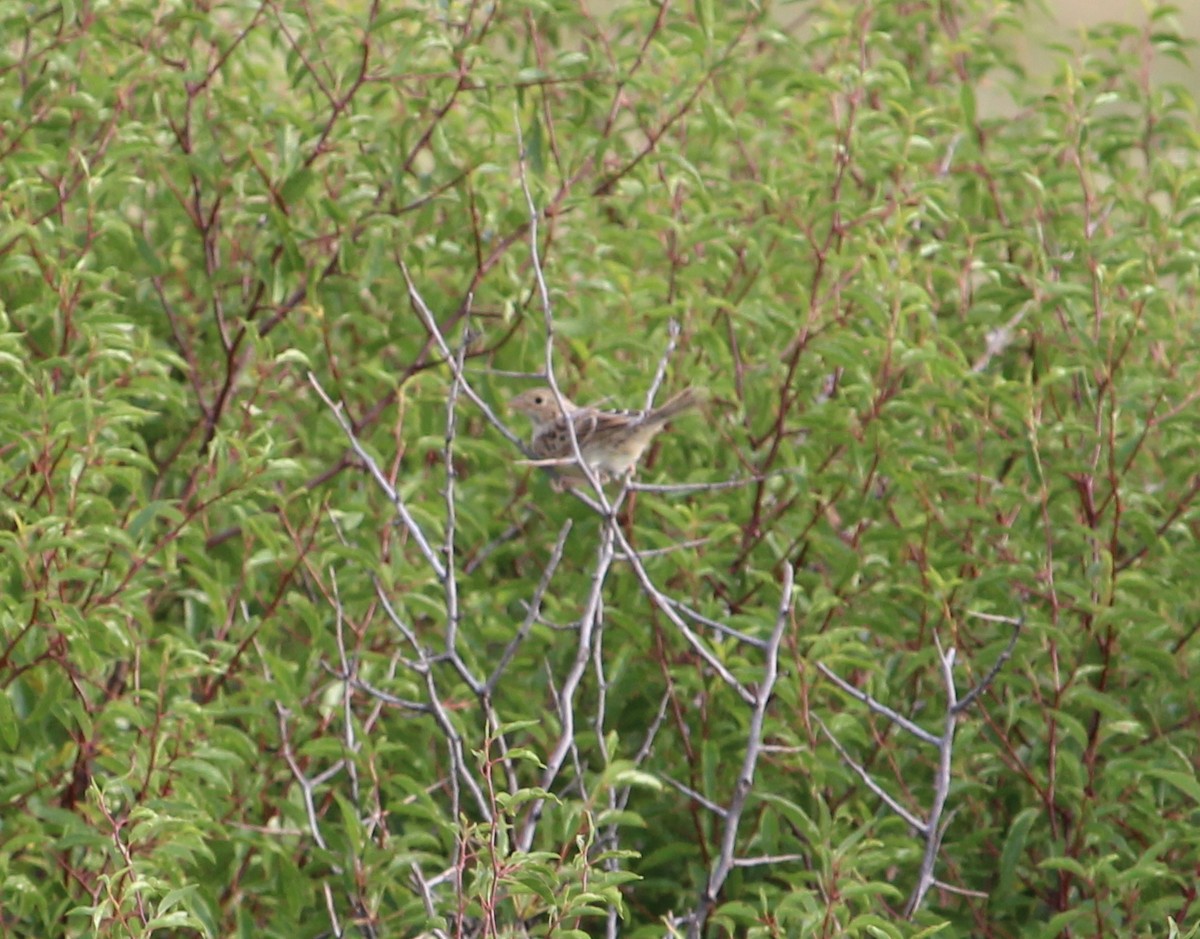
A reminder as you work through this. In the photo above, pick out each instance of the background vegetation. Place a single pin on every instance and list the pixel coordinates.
(251, 688)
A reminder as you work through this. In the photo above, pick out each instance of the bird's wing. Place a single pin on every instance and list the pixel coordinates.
(555, 441)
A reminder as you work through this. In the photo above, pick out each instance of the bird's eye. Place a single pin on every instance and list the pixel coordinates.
(538, 399)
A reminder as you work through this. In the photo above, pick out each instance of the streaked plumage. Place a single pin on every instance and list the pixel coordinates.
(611, 442)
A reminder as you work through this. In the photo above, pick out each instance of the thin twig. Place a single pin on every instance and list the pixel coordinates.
(532, 614)
(878, 707)
(672, 488)
(590, 623)
(862, 774)
(934, 830)
(660, 372)
(668, 549)
(443, 345)
(700, 799)
(667, 606)
(450, 579)
(548, 322)
(770, 860)
(745, 783)
(969, 698)
(486, 551)
(380, 480)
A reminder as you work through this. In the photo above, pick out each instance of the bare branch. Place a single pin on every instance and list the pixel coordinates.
(933, 827)
(716, 625)
(667, 606)
(673, 488)
(960, 891)
(486, 551)
(450, 580)
(697, 797)
(380, 480)
(531, 615)
(425, 889)
(999, 339)
(590, 623)
(862, 774)
(443, 345)
(969, 698)
(668, 549)
(379, 694)
(933, 830)
(660, 373)
(733, 814)
(305, 784)
(548, 318)
(878, 707)
(769, 860)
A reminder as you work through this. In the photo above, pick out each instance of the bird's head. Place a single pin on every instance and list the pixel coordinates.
(540, 406)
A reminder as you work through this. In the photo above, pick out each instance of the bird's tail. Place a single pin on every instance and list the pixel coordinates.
(683, 401)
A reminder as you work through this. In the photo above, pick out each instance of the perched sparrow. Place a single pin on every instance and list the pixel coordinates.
(611, 442)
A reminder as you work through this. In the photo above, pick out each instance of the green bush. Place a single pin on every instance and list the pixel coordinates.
(274, 665)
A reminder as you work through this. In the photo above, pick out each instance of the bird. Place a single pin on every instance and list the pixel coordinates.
(610, 442)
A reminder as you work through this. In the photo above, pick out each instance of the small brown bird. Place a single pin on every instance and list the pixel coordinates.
(611, 442)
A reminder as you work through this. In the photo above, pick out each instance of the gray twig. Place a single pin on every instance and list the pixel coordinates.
(932, 827)
(731, 821)
(380, 480)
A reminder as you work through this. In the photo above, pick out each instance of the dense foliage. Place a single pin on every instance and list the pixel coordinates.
(277, 666)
